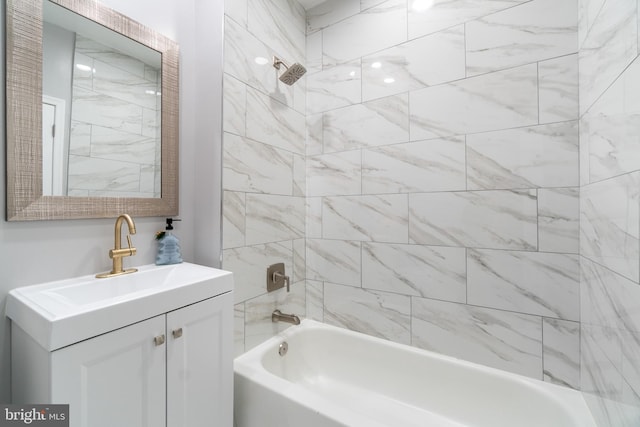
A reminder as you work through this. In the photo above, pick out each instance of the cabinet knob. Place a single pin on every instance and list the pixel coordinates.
(159, 340)
(177, 333)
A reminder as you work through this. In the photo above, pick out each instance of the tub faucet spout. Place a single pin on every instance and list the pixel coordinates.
(278, 316)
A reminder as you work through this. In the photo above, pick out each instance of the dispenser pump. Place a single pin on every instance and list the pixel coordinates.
(168, 246)
(170, 223)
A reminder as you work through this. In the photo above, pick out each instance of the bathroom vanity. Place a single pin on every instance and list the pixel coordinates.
(153, 348)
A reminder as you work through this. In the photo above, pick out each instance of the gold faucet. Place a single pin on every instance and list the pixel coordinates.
(117, 253)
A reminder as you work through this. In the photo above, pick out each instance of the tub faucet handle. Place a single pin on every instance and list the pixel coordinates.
(276, 277)
(279, 276)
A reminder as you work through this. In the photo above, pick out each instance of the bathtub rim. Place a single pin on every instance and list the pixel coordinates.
(249, 365)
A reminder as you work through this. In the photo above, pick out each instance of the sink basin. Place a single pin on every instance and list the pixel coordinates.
(63, 312)
(89, 290)
(93, 291)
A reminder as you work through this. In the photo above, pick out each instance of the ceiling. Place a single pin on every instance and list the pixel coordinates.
(308, 4)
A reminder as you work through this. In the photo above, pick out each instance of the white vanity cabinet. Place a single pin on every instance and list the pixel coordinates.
(200, 364)
(172, 369)
(115, 379)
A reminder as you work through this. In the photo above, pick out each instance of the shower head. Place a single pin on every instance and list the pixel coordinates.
(293, 72)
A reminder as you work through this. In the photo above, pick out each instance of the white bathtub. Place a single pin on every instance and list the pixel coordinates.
(335, 377)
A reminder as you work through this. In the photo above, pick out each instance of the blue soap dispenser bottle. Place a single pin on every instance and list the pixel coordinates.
(168, 246)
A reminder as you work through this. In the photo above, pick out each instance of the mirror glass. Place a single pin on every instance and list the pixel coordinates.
(100, 110)
(92, 113)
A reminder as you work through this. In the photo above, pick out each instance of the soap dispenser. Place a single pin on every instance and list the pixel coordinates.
(168, 246)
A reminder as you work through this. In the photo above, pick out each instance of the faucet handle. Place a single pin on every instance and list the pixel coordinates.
(278, 275)
(119, 253)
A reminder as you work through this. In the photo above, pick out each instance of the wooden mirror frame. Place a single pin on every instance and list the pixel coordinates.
(25, 201)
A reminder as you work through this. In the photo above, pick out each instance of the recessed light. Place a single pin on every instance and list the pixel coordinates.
(261, 60)
(376, 64)
(389, 80)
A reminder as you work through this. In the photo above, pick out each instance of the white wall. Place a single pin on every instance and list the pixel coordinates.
(33, 252)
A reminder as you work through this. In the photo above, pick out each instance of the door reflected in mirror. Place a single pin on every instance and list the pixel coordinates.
(101, 110)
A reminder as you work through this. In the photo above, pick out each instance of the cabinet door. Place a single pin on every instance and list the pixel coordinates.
(200, 364)
(115, 379)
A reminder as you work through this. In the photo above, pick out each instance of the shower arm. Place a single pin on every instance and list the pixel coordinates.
(277, 62)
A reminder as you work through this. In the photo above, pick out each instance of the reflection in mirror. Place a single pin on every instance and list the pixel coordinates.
(101, 110)
(92, 113)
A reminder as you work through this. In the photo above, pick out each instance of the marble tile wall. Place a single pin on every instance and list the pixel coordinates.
(437, 187)
(610, 209)
(114, 144)
(442, 177)
(264, 165)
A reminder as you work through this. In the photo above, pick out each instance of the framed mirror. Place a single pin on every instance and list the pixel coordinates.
(92, 113)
